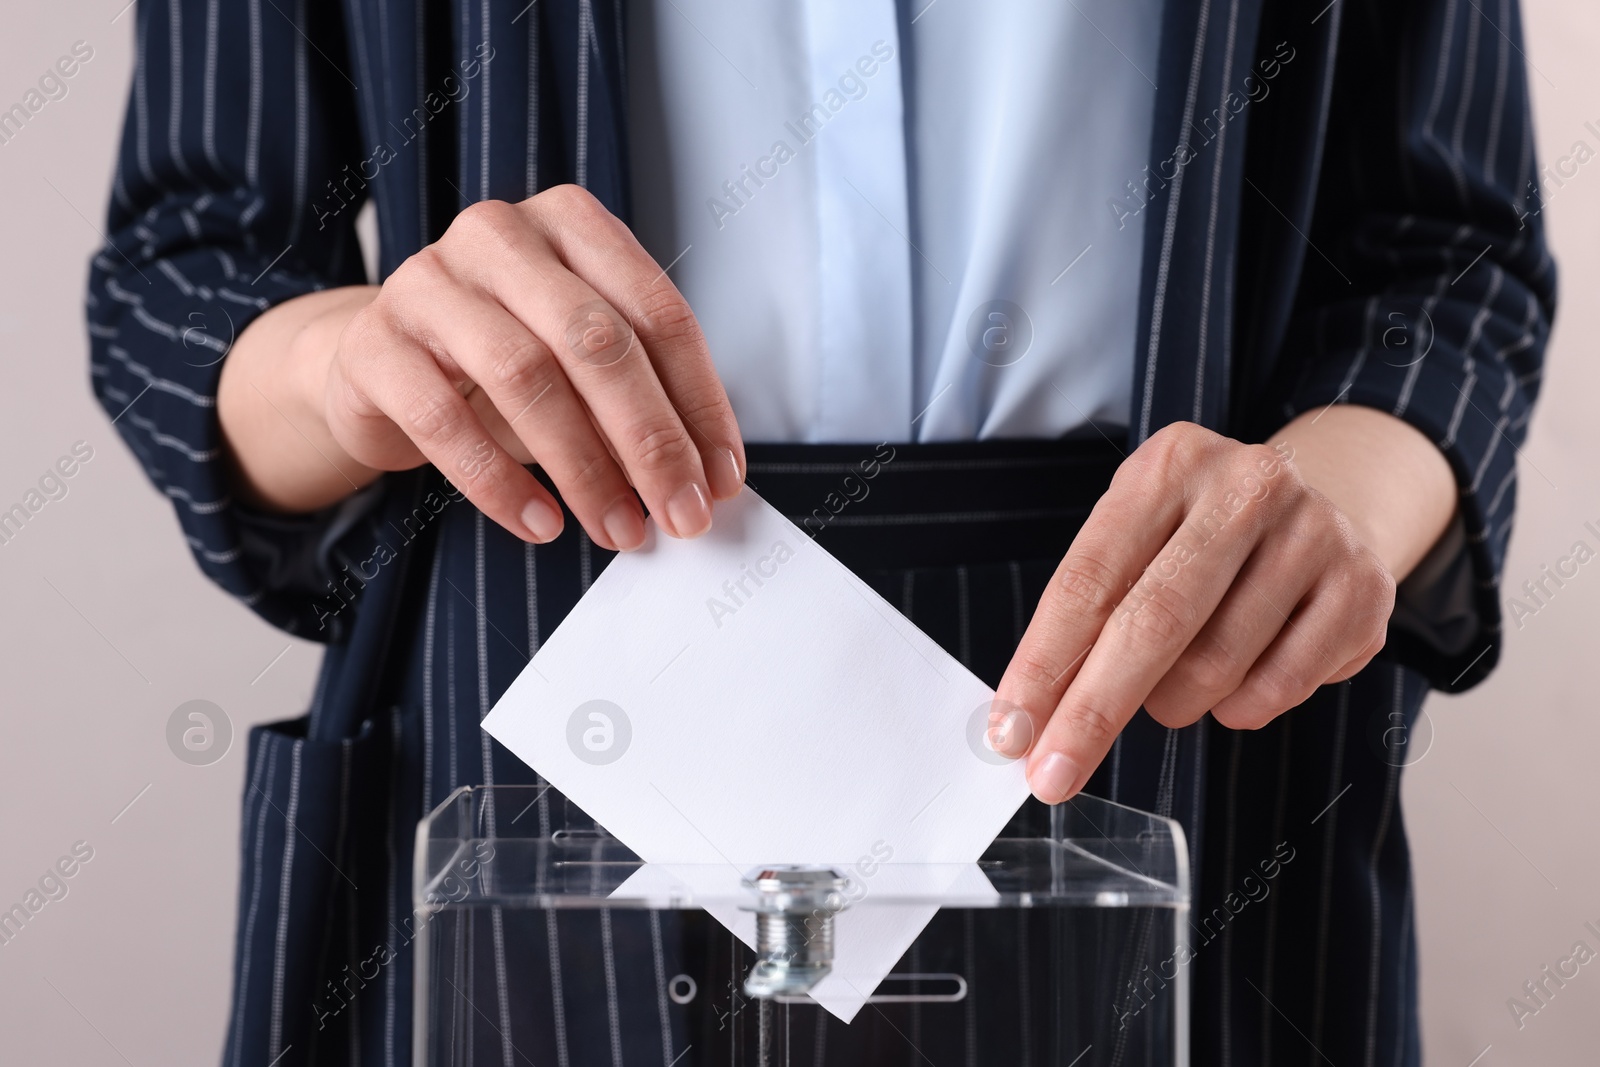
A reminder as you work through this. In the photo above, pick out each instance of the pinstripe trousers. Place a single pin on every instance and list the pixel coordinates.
(1314, 963)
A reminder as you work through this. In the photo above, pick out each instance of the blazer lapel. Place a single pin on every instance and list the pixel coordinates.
(1191, 201)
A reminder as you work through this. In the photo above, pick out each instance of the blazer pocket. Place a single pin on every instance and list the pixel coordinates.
(313, 835)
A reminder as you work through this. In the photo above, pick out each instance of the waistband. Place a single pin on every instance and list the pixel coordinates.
(890, 506)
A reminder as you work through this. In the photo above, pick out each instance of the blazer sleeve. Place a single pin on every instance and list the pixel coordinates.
(239, 121)
(1441, 302)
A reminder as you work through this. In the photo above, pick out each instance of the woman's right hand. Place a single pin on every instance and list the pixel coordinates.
(538, 332)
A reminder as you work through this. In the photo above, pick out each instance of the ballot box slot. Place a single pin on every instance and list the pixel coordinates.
(954, 985)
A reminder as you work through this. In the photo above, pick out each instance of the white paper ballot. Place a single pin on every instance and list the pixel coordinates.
(743, 699)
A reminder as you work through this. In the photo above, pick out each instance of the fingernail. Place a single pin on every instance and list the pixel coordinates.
(726, 481)
(624, 525)
(689, 511)
(1053, 778)
(1010, 732)
(542, 520)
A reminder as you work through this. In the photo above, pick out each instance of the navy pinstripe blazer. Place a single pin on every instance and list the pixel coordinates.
(1340, 208)
(1329, 196)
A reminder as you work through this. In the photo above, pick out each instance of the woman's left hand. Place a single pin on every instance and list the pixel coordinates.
(1211, 576)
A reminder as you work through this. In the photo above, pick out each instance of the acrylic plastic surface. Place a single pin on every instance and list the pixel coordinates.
(1063, 950)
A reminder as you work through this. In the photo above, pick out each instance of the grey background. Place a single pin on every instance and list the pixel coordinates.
(106, 627)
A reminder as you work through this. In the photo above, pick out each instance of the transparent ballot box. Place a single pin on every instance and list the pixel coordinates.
(542, 939)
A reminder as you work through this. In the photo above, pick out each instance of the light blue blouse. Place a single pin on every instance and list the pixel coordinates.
(900, 223)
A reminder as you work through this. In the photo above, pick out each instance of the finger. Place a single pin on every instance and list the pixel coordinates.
(531, 393)
(1339, 623)
(497, 426)
(503, 253)
(1359, 661)
(1123, 532)
(1216, 660)
(1147, 501)
(1154, 622)
(398, 381)
(597, 247)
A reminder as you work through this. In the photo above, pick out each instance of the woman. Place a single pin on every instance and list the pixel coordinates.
(1357, 282)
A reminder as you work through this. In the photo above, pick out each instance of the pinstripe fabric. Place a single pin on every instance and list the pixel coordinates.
(1382, 183)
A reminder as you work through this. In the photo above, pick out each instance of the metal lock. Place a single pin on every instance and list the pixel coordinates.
(794, 910)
